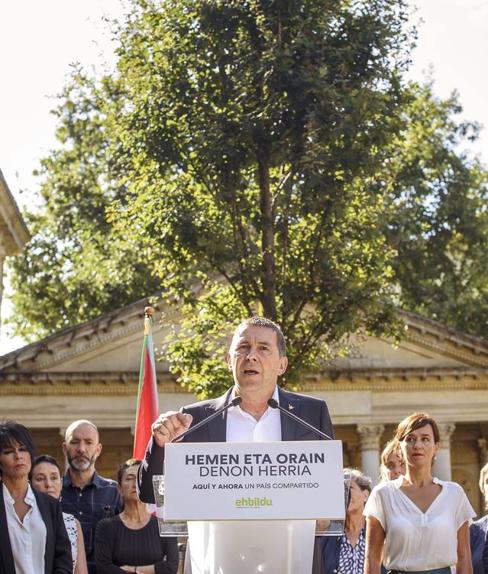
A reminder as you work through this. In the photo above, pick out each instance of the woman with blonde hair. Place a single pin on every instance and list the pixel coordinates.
(418, 523)
(478, 532)
(392, 463)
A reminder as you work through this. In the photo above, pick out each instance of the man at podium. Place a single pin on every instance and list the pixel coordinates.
(255, 409)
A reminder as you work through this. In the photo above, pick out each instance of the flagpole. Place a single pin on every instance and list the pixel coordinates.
(147, 409)
(148, 319)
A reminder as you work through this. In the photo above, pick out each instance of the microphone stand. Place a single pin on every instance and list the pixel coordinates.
(275, 405)
(233, 403)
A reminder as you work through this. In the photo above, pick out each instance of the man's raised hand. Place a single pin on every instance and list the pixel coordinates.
(170, 425)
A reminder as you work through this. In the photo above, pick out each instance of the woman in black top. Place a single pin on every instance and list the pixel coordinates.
(130, 541)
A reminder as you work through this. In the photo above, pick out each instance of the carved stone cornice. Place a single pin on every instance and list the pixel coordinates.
(370, 436)
(459, 352)
(13, 229)
(88, 343)
(74, 341)
(441, 339)
(389, 380)
(380, 381)
(83, 384)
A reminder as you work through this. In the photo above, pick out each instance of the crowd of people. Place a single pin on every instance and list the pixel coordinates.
(79, 522)
(83, 523)
(411, 522)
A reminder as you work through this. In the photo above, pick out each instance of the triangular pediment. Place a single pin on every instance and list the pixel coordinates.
(113, 342)
(375, 353)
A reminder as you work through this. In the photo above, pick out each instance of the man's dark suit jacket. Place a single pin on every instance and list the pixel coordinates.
(478, 535)
(57, 557)
(314, 411)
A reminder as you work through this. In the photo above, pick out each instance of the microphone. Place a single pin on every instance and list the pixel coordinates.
(275, 405)
(233, 403)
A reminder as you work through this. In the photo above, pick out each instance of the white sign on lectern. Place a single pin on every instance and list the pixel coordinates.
(252, 508)
(249, 481)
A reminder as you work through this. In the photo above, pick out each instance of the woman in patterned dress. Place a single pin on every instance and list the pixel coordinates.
(478, 531)
(46, 477)
(345, 554)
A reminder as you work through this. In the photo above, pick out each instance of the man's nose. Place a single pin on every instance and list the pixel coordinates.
(251, 354)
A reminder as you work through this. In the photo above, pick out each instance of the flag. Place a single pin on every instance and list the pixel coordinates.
(147, 395)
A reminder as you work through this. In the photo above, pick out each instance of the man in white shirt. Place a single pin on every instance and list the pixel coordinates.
(257, 358)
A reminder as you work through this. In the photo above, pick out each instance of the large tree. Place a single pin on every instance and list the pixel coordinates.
(439, 227)
(257, 156)
(253, 144)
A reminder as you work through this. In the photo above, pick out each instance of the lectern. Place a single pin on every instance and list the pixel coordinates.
(251, 508)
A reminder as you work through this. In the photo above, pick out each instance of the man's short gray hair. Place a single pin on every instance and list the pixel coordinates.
(257, 321)
(363, 481)
(75, 424)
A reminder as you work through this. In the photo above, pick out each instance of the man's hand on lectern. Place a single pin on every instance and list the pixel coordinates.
(170, 425)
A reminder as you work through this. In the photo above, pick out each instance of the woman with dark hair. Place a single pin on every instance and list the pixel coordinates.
(130, 541)
(33, 538)
(478, 531)
(45, 477)
(418, 523)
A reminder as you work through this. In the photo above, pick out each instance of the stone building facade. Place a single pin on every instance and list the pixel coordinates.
(91, 371)
(13, 231)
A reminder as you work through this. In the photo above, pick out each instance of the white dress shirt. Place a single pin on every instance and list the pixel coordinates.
(27, 538)
(243, 427)
(416, 540)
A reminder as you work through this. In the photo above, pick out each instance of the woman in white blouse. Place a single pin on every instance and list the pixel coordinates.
(417, 523)
(45, 477)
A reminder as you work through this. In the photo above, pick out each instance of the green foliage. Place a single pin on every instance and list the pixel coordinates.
(439, 198)
(258, 157)
(256, 133)
(75, 268)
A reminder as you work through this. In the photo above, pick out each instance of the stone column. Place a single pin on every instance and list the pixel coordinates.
(2, 259)
(442, 464)
(369, 444)
(483, 451)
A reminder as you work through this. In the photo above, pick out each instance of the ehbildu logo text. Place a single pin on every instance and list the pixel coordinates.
(253, 502)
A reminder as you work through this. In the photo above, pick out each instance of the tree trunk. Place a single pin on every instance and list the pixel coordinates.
(267, 239)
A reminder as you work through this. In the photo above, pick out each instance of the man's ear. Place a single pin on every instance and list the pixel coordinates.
(63, 446)
(229, 362)
(283, 365)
